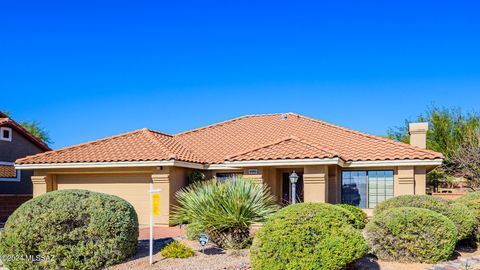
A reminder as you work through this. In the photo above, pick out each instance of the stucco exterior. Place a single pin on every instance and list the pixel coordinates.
(321, 183)
(131, 184)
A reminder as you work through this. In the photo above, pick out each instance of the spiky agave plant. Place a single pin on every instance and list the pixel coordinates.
(225, 210)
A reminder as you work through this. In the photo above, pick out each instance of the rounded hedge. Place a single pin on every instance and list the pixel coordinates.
(461, 216)
(359, 217)
(307, 236)
(79, 229)
(472, 201)
(409, 234)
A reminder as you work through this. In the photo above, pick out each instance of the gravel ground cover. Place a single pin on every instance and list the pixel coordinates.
(211, 258)
(219, 259)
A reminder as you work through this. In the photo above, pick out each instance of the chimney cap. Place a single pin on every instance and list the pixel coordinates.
(421, 127)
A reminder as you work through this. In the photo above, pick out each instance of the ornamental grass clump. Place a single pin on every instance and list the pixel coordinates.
(225, 210)
(459, 214)
(408, 234)
(307, 236)
(75, 229)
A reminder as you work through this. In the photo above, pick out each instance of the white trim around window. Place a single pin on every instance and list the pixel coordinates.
(2, 130)
(18, 173)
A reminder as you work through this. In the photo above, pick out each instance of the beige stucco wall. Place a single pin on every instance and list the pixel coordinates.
(315, 181)
(420, 180)
(321, 183)
(131, 187)
(131, 184)
(334, 184)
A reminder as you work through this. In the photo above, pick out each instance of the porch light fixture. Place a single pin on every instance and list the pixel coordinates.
(293, 179)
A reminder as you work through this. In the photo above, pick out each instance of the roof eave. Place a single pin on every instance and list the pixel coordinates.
(285, 162)
(32, 138)
(396, 162)
(335, 161)
(116, 164)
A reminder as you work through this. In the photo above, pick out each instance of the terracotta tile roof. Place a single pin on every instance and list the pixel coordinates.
(288, 148)
(254, 137)
(216, 142)
(139, 145)
(7, 171)
(5, 121)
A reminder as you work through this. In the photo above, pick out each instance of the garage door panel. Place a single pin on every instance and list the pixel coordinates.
(133, 188)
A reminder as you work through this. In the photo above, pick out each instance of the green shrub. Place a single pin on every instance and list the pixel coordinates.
(358, 216)
(79, 229)
(460, 215)
(408, 234)
(196, 176)
(177, 250)
(472, 201)
(307, 236)
(225, 210)
(194, 230)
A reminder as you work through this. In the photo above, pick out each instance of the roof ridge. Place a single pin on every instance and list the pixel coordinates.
(228, 121)
(170, 152)
(323, 148)
(154, 140)
(76, 146)
(260, 146)
(364, 134)
(158, 132)
(284, 139)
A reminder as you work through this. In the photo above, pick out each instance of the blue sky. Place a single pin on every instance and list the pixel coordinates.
(87, 70)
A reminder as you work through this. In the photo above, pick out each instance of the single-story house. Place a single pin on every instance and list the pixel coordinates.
(335, 164)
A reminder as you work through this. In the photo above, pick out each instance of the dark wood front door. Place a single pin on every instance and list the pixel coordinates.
(287, 187)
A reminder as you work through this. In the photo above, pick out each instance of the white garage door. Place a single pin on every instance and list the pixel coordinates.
(131, 187)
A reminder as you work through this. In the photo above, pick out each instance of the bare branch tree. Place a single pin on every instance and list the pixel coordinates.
(467, 161)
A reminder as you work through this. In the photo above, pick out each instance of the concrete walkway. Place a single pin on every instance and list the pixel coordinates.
(162, 232)
(471, 263)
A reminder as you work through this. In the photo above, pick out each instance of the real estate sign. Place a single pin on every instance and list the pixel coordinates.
(156, 204)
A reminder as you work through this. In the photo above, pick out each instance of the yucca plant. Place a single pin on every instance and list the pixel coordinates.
(225, 210)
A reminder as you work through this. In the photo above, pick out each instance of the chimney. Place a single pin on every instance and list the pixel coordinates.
(418, 134)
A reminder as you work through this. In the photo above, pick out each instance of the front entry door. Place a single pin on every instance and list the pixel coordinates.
(287, 188)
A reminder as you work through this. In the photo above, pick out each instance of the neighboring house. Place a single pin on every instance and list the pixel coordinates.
(335, 164)
(15, 185)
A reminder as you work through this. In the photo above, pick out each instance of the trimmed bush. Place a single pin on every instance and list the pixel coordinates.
(307, 236)
(78, 228)
(408, 234)
(177, 250)
(225, 210)
(358, 217)
(472, 201)
(461, 216)
(194, 230)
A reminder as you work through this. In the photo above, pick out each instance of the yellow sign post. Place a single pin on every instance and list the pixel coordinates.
(156, 204)
(154, 211)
